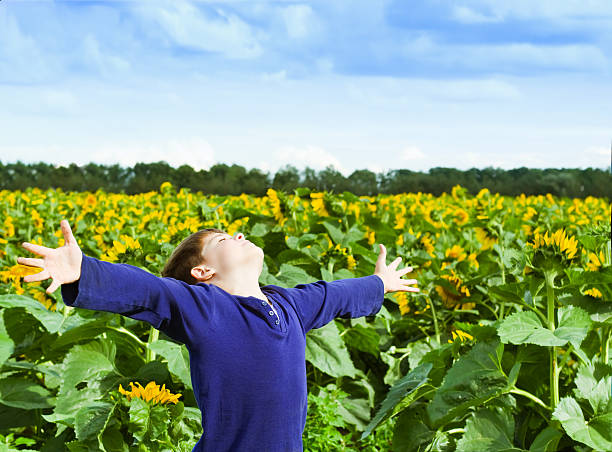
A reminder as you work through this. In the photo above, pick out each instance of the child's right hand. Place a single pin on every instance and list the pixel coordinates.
(63, 264)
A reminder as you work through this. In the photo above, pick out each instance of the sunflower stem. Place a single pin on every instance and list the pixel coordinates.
(435, 319)
(605, 345)
(549, 276)
(153, 335)
(529, 395)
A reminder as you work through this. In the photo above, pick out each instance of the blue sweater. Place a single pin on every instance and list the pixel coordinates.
(248, 367)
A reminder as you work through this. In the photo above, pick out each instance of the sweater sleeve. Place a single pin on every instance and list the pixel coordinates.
(318, 303)
(170, 305)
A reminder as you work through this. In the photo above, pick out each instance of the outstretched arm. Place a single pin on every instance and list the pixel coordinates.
(168, 304)
(320, 302)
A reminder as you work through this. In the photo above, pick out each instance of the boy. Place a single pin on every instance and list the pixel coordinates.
(246, 343)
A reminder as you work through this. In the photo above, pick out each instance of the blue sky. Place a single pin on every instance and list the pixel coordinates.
(361, 84)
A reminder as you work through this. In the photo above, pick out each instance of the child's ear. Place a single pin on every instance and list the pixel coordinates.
(203, 272)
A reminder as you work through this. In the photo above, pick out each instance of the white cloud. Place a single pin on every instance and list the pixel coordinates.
(59, 100)
(384, 91)
(467, 15)
(598, 150)
(314, 157)
(21, 58)
(412, 153)
(274, 76)
(545, 9)
(298, 20)
(195, 152)
(190, 26)
(105, 63)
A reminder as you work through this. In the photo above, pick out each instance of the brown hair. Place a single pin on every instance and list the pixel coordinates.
(188, 254)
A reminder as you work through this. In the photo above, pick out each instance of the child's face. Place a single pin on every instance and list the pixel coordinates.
(225, 253)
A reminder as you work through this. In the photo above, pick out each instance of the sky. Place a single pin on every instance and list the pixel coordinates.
(374, 84)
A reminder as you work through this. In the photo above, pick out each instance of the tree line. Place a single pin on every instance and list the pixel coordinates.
(222, 179)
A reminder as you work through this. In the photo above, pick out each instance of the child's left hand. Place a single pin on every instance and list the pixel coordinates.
(392, 278)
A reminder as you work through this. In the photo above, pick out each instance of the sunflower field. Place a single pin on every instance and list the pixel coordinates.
(505, 347)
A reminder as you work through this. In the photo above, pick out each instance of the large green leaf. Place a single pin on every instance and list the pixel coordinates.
(362, 338)
(413, 434)
(51, 320)
(595, 433)
(22, 393)
(326, 351)
(574, 324)
(488, 429)
(177, 357)
(91, 419)
(88, 373)
(291, 275)
(546, 441)
(594, 390)
(473, 379)
(6, 344)
(140, 418)
(404, 388)
(525, 327)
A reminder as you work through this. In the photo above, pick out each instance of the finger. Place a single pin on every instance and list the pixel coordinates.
(409, 281)
(68, 237)
(393, 265)
(405, 270)
(40, 276)
(409, 289)
(53, 287)
(382, 253)
(30, 261)
(36, 249)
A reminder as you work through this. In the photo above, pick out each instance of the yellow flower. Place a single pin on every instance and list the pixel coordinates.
(276, 208)
(462, 335)
(456, 252)
(484, 238)
(594, 292)
(318, 205)
(402, 299)
(595, 261)
(472, 259)
(151, 393)
(461, 217)
(450, 299)
(164, 186)
(558, 241)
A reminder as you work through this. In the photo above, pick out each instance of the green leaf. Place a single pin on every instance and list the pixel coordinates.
(325, 349)
(525, 327)
(411, 433)
(362, 338)
(88, 373)
(546, 441)
(91, 419)
(595, 391)
(596, 433)
(574, 324)
(6, 344)
(473, 379)
(140, 418)
(21, 393)
(51, 320)
(403, 389)
(488, 429)
(291, 275)
(177, 357)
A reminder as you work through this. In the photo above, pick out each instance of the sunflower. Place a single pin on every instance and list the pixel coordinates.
(150, 393)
